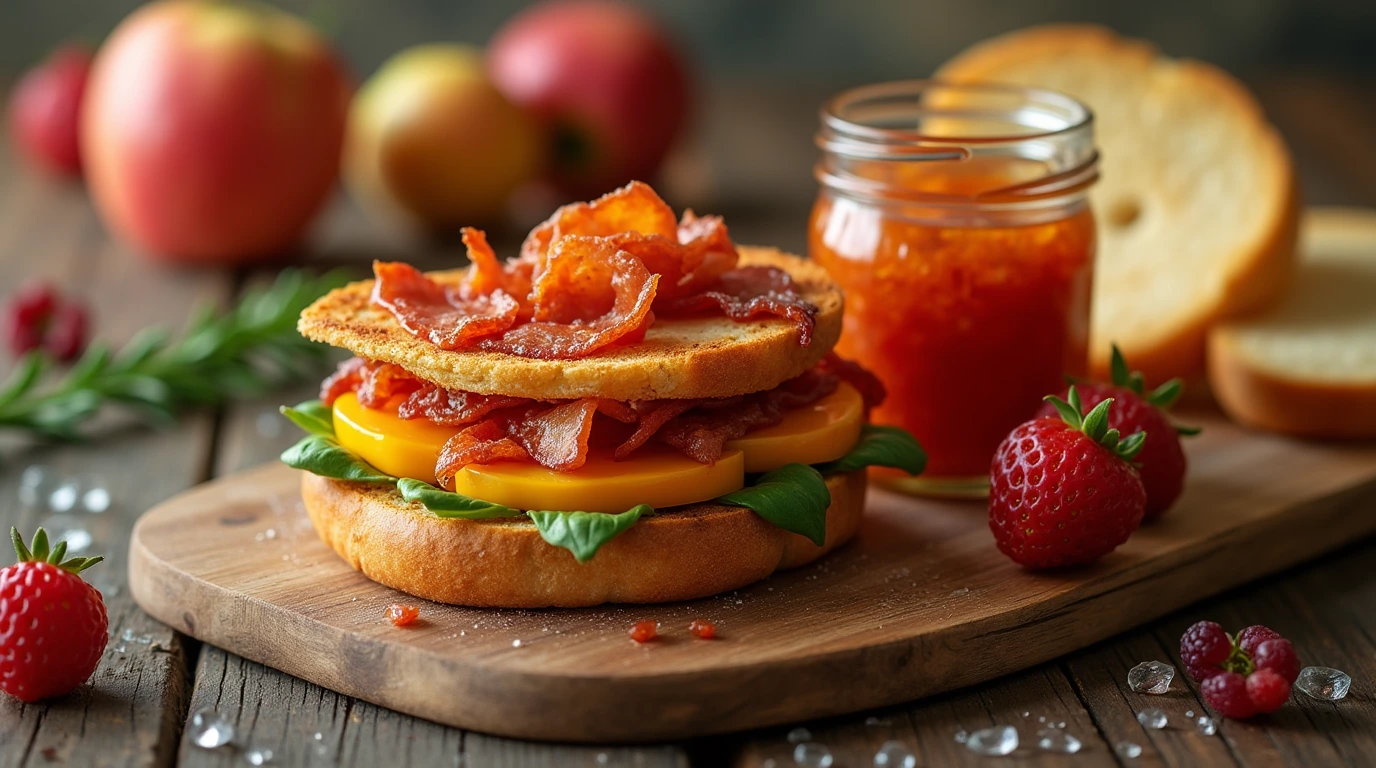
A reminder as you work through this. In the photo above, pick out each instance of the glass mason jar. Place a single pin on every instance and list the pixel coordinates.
(956, 219)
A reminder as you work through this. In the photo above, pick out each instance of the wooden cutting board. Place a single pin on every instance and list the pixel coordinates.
(920, 603)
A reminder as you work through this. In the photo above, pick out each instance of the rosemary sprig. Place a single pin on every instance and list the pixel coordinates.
(221, 355)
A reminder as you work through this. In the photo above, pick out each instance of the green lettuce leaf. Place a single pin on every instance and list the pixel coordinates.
(449, 504)
(313, 416)
(583, 533)
(793, 497)
(881, 446)
(322, 455)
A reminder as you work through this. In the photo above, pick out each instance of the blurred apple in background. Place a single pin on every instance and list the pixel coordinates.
(45, 110)
(607, 81)
(431, 138)
(211, 131)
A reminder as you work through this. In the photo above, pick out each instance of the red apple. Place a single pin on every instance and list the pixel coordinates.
(212, 131)
(45, 110)
(607, 80)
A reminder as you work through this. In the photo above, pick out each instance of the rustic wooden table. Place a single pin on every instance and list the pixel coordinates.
(752, 164)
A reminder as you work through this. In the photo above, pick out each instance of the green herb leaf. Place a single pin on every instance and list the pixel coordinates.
(448, 504)
(583, 533)
(794, 497)
(322, 455)
(881, 446)
(245, 351)
(312, 416)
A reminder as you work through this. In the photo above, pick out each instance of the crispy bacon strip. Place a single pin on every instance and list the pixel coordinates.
(633, 208)
(748, 292)
(702, 434)
(589, 295)
(453, 408)
(653, 415)
(485, 442)
(344, 379)
(449, 319)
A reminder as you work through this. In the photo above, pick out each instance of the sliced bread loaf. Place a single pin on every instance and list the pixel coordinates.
(1308, 365)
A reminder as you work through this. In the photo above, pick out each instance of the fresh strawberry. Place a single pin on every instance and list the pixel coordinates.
(1063, 491)
(52, 624)
(1243, 676)
(1162, 460)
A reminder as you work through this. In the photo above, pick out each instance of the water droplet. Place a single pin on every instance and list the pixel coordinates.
(210, 729)
(61, 528)
(1056, 740)
(1206, 725)
(1323, 683)
(64, 497)
(1189, 713)
(95, 500)
(1128, 750)
(999, 740)
(1151, 717)
(128, 636)
(1151, 677)
(516, 643)
(36, 484)
(961, 736)
(258, 756)
(894, 754)
(799, 735)
(320, 747)
(810, 754)
(602, 758)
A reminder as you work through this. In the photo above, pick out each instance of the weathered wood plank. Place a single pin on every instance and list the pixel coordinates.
(928, 728)
(130, 711)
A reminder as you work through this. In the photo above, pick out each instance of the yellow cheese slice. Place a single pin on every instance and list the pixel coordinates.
(397, 446)
(654, 476)
(823, 431)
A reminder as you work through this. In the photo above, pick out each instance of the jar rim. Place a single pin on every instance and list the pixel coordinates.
(1079, 117)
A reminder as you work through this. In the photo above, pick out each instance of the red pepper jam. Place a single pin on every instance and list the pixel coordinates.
(402, 615)
(957, 222)
(702, 629)
(644, 631)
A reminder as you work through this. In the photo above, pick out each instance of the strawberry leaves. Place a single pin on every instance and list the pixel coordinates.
(1095, 425)
(1163, 397)
(39, 552)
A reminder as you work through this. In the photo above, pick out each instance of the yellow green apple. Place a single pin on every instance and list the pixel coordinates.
(432, 139)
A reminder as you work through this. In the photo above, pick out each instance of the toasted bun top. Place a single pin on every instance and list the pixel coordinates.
(680, 358)
(1195, 203)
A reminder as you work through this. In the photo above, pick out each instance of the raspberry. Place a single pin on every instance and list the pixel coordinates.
(1267, 690)
(1203, 648)
(1226, 692)
(644, 631)
(1277, 655)
(702, 629)
(402, 615)
(67, 333)
(1249, 638)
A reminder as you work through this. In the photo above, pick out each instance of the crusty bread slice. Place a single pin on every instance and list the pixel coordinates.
(1308, 365)
(680, 553)
(1197, 200)
(679, 358)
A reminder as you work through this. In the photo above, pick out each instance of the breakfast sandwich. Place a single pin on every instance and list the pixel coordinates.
(632, 410)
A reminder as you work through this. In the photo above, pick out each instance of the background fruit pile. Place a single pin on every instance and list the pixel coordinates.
(214, 132)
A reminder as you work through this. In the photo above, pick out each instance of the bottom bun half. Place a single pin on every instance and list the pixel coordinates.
(681, 553)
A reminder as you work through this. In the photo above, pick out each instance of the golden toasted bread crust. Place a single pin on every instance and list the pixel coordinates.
(679, 358)
(678, 554)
